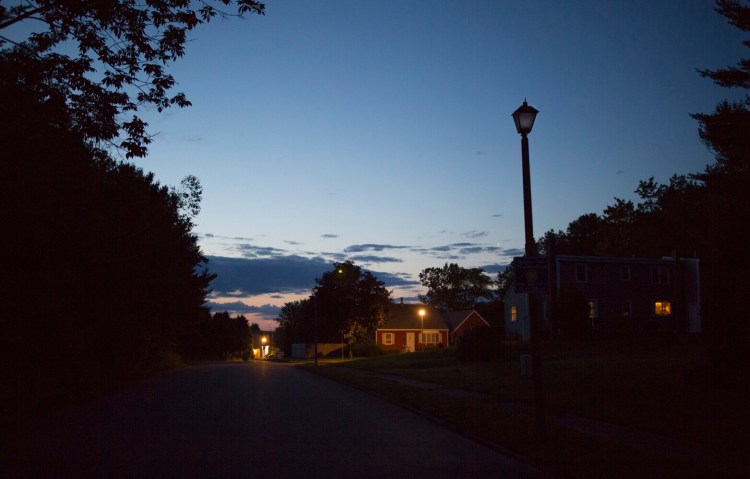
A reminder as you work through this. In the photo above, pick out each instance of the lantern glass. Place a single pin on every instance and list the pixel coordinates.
(524, 118)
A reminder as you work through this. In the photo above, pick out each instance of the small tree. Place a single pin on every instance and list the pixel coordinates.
(572, 313)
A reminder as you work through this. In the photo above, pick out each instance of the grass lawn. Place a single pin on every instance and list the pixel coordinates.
(661, 388)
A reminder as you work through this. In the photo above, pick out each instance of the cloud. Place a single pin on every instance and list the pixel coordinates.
(280, 274)
(329, 235)
(252, 251)
(375, 259)
(475, 234)
(254, 275)
(361, 248)
(497, 215)
(493, 269)
(514, 252)
(238, 307)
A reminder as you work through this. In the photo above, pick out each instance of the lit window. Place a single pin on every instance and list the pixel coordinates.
(581, 273)
(430, 338)
(592, 309)
(387, 338)
(514, 313)
(662, 308)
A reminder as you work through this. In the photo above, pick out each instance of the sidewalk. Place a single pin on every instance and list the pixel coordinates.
(676, 449)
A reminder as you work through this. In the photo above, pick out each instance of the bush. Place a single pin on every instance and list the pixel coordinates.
(481, 344)
(366, 350)
(571, 312)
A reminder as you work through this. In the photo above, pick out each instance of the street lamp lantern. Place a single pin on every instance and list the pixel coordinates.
(524, 117)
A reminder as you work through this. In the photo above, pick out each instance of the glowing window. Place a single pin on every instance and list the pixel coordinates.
(387, 338)
(662, 308)
(430, 338)
(514, 313)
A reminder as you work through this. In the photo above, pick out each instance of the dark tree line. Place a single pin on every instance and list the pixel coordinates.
(220, 336)
(102, 277)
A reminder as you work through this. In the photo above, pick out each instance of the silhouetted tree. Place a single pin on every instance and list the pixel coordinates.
(725, 212)
(454, 288)
(121, 51)
(296, 319)
(103, 278)
(350, 302)
(505, 280)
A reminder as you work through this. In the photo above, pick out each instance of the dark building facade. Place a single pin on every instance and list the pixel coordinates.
(624, 294)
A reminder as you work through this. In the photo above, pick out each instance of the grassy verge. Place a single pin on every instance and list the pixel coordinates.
(663, 389)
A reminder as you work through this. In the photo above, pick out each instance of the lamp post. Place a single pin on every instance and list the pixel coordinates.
(422, 312)
(263, 342)
(524, 118)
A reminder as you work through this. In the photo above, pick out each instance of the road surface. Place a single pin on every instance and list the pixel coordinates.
(254, 420)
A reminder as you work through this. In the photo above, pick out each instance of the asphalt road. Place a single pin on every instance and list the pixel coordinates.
(253, 420)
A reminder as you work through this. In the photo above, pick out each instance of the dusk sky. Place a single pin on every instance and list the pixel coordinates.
(380, 131)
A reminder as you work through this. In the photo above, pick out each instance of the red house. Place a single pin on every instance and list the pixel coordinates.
(459, 322)
(407, 330)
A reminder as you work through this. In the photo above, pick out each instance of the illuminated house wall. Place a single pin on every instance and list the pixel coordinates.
(403, 328)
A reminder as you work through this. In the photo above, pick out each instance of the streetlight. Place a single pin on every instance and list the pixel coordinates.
(422, 312)
(524, 118)
(263, 342)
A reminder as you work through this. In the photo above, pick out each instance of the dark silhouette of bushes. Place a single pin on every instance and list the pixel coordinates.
(103, 279)
(481, 344)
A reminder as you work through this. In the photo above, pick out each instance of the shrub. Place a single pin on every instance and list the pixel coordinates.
(480, 344)
(364, 350)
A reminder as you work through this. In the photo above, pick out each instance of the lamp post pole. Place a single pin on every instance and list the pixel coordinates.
(524, 118)
(422, 312)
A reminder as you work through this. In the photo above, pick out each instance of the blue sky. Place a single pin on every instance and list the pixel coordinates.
(380, 131)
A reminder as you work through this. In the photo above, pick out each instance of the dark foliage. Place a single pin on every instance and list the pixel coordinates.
(366, 350)
(454, 288)
(346, 302)
(570, 311)
(120, 50)
(481, 344)
(220, 336)
(103, 278)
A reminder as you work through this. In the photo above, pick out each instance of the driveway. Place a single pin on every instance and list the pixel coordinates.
(256, 419)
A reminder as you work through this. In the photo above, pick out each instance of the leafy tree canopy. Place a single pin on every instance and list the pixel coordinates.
(454, 288)
(107, 58)
(350, 302)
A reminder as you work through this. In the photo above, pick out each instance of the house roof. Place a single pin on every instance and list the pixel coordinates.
(455, 318)
(406, 316)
